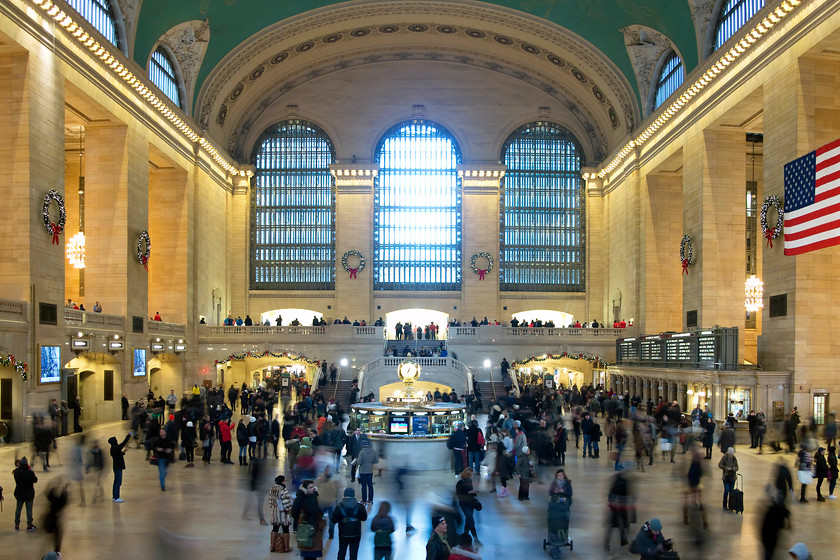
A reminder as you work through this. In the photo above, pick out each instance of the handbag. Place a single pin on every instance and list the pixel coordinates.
(665, 445)
(476, 504)
(305, 535)
(153, 460)
(805, 476)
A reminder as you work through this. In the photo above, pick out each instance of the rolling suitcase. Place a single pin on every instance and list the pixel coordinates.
(736, 497)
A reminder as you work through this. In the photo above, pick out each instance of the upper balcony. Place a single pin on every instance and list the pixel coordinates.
(492, 333)
(264, 333)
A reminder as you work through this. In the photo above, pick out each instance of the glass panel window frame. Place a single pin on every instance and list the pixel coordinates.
(293, 209)
(417, 209)
(670, 78)
(100, 15)
(542, 238)
(162, 73)
(733, 15)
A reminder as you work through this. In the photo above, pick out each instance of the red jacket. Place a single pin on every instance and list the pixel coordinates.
(459, 553)
(226, 430)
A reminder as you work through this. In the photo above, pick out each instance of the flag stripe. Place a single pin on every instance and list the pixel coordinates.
(812, 200)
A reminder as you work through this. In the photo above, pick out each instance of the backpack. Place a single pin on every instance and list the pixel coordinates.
(350, 526)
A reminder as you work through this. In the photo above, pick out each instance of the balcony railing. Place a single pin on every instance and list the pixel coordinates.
(301, 330)
(76, 317)
(12, 309)
(162, 327)
(474, 332)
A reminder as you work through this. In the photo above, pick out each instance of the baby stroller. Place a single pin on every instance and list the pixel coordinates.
(558, 527)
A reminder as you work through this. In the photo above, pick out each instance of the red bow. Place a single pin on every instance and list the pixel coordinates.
(481, 274)
(353, 272)
(56, 229)
(768, 235)
(145, 260)
(685, 265)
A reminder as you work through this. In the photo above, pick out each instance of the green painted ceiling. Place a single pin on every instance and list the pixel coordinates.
(597, 21)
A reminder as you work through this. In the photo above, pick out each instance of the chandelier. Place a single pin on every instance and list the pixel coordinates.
(753, 294)
(76, 250)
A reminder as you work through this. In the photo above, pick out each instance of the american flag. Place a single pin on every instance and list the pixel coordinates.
(812, 201)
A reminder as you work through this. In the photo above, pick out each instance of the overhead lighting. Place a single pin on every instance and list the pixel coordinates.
(76, 250)
(753, 294)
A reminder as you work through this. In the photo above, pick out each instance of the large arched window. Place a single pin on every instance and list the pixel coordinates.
(542, 212)
(670, 78)
(733, 15)
(162, 74)
(100, 15)
(293, 210)
(417, 210)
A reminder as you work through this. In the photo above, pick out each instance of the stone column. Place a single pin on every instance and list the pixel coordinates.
(714, 186)
(480, 209)
(239, 248)
(354, 222)
(168, 267)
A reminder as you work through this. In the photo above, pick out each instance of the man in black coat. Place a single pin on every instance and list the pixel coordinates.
(349, 515)
(354, 447)
(77, 414)
(25, 480)
(118, 462)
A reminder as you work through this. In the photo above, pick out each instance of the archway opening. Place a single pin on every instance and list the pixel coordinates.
(417, 318)
(290, 316)
(559, 318)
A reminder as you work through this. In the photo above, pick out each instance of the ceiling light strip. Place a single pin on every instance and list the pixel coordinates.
(102, 53)
(741, 47)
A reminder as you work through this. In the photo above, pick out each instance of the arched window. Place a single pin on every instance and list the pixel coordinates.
(542, 212)
(100, 15)
(417, 210)
(293, 210)
(162, 73)
(670, 78)
(733, 15)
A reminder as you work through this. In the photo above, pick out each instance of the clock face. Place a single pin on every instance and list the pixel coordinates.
(409, 371)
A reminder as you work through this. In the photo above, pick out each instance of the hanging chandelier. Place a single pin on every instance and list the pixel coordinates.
(76, 250)
(753, 294)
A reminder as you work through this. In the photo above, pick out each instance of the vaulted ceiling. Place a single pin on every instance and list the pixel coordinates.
(573, 51)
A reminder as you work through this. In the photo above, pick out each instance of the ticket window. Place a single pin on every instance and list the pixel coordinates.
(820, 406)
(377, 422)
(441, 423)
(738, 402)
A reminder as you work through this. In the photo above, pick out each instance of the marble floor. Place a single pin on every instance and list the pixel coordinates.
(200, 516)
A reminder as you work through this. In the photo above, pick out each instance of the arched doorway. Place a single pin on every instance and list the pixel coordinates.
(559, 318)
(417, 318)
(98, 384)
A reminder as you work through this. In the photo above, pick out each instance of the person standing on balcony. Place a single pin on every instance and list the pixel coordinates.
(157, 316)
(97, 308)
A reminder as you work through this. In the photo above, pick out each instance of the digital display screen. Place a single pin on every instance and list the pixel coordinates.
(399, 427)
(50, 364)
(139, 362)
(420, 425)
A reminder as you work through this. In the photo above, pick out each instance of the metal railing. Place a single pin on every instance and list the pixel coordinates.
(394, 362)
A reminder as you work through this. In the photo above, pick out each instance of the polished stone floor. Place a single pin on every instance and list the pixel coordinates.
(200, 516)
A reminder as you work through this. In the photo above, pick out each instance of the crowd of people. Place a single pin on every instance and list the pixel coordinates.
(517, 439)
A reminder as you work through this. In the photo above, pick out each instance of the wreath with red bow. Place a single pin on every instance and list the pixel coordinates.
(346, 265)
(481, 271)
(686, 253)
(144, 248)
(772, 233)
(54, 228)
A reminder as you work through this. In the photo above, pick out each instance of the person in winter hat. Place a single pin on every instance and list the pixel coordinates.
(349, 515)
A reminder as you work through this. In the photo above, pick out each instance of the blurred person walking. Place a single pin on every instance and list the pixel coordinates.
(25, 480)
(465, 493)
(117, 452)
(382, 527)
(349, 515)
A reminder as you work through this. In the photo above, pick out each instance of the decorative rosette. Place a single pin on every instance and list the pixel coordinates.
(360, 265)
(771, 233)
(481, 271)
(144, 248)
(54, 228)
(686, 253)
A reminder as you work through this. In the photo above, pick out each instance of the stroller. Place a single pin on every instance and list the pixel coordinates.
(558, 527)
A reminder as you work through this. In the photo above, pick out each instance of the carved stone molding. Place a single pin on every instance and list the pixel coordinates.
(701, 13)
(188, 42)
(130, 12)
(557, 48)
(645, 47)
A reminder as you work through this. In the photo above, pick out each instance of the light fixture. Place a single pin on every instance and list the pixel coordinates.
(76, 250)
(753, 294)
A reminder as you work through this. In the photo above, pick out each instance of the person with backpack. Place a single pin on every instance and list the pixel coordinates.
(382, 526)
(349, 515)
(649, 543)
